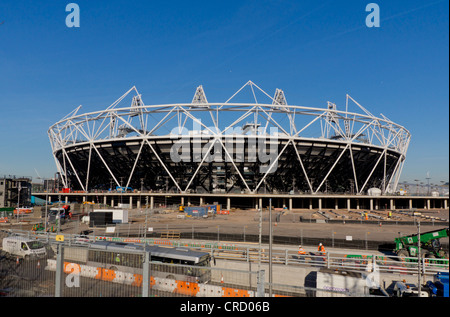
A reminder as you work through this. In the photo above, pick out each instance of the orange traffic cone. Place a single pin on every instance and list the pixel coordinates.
(221, 279)
(17, 260)
(38, 264)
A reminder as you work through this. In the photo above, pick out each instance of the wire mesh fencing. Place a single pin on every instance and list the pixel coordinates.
(78, 271)
(25, 278)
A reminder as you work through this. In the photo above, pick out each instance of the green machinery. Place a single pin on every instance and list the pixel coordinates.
(430, 245)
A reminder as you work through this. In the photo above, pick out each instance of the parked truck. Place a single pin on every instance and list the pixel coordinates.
(334, 283)
(432, 288)
(407, 246)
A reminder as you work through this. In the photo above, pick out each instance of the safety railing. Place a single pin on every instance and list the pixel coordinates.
(360, 262)
(66, 271)
(284, 256)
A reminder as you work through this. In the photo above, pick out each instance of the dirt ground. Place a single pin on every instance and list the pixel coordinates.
(246, 222)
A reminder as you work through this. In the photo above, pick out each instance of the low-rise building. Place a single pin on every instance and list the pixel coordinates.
(15, 191)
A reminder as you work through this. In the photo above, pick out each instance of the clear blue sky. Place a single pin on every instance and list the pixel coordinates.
(316, 51)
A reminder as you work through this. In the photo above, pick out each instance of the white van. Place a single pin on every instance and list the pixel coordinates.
(23, 247)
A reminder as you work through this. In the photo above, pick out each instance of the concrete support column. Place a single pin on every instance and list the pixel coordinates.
(260, 203)
(336, 203)
(152, 202)
(410, 203)
(371, 204)
(445, 204)
(67, 199)
(201, 201)
(320, 203)
(310, 203)
(290, 203)
(138, 203)
(228, 203)
(182, 201)
(392, 206)
(131, 202)
(112, 202)
(428, 204)
(357, 204)
(104, 200)
(348, 204)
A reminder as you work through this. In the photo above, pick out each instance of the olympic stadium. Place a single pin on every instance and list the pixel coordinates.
(253, 142)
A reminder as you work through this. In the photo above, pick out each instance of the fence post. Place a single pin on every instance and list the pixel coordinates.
(301, 236)
(423, 266)
(146, 274)
(261, 281)
(59, 271)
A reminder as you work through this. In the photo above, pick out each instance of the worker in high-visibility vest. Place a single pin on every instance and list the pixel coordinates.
(301, 251)
(321, 248)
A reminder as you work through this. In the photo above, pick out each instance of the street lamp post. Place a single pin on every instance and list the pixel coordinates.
(270, 247)
(419, 261)
(428, 181)
(19, 187)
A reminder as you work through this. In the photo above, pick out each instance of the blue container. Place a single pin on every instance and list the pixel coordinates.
(442, 277)
(213, 208)
(196, 211)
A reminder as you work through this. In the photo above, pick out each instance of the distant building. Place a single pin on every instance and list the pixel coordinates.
(37, 188)
(15, 191)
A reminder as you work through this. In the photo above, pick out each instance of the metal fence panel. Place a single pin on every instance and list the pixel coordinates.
(117, 275)
(25, 278)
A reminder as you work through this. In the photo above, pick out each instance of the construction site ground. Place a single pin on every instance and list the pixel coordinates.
(330, 225)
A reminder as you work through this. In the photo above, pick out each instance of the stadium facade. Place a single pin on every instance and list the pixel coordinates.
(229, 147)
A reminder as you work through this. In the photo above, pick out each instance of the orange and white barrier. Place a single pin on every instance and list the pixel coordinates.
(22, 211)
(156, 283)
